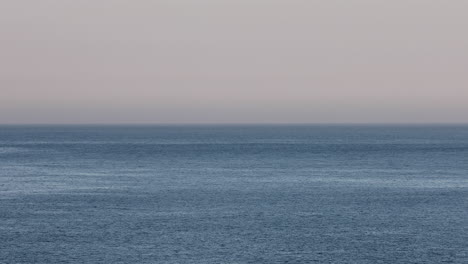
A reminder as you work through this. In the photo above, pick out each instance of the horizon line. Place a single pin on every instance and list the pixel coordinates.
(242, 124)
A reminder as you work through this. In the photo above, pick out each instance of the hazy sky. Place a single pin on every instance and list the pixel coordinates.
(241, 61)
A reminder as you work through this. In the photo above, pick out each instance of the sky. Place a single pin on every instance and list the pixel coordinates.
(233, 61)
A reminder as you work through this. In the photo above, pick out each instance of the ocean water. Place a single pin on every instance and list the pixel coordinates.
(234, 194)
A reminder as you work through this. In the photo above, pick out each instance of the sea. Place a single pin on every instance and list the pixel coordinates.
(233, 194)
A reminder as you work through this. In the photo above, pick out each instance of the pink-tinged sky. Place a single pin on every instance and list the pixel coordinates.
(233, 61)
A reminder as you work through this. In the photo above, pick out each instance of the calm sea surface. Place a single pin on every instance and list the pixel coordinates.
(233, 194)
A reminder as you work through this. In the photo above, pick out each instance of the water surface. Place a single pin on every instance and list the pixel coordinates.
(233, 194)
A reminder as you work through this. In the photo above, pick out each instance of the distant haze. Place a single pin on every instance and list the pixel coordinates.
(233, 61)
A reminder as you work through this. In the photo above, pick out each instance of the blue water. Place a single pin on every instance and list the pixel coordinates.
(233, 194)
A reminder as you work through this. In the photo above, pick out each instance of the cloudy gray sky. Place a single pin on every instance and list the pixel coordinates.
(233, 61)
